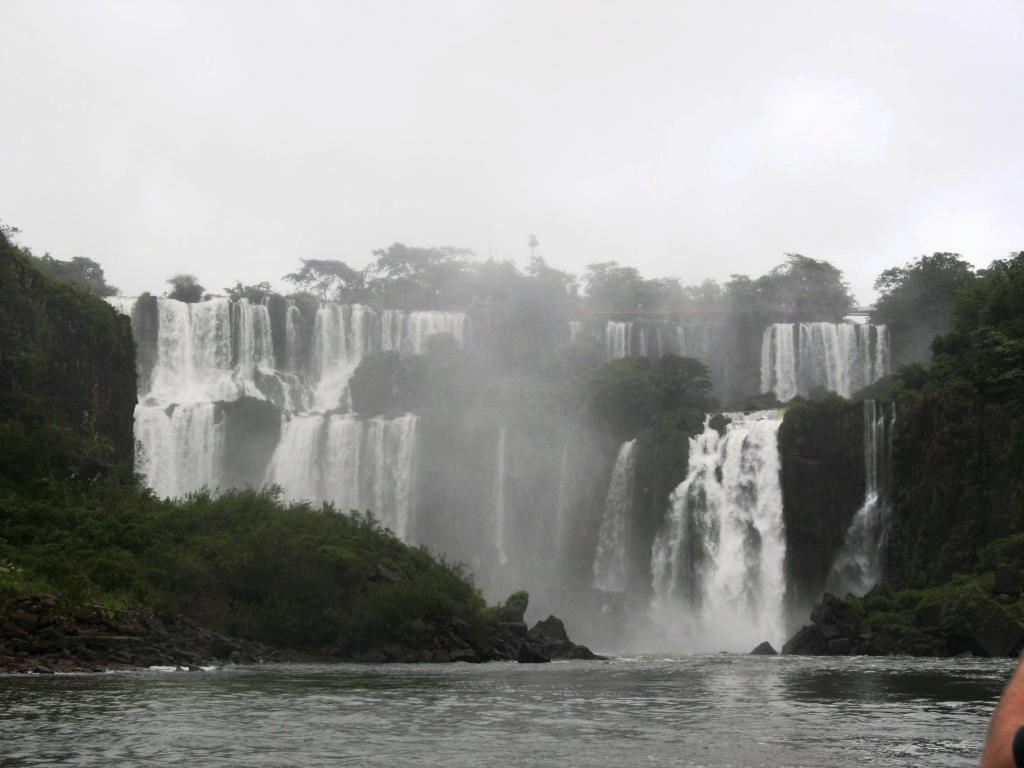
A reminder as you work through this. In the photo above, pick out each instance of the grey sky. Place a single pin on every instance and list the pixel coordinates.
(228, 139)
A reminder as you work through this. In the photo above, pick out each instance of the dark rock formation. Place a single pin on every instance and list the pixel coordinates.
(40, 633)
(950, 621)
(821, 445)
(454, 640)
(529, 656)
(764, 649)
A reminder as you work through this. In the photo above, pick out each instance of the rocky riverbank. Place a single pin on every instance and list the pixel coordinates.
(975, 617)
(41, 633)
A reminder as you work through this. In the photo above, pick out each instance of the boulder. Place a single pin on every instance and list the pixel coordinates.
(513, 610)
(839, 647)
(764, 649)
(527, 655)
(1008, 581)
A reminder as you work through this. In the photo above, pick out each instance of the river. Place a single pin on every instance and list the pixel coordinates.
(645, 711)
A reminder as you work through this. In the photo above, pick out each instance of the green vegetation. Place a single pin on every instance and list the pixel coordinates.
(185, 288)
(959, 460)
(981, 612)
(916, 302)
(243, 563)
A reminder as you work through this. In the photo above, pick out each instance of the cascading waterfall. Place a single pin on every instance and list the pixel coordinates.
(356, 464)
(717, 564)
(499, 498)
(842, 357)
(181, 447)
(611, 563)
(339, 342)
(858, 566)
(618, 340)
(215, 352)
(255, 350)
(407, 332)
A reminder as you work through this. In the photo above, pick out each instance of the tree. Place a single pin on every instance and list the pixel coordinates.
(80, 271)
(611, 288)
(409, 277)
(328, 279)
(916, 302)
(254, 293)
(533, 242)
(185, 288)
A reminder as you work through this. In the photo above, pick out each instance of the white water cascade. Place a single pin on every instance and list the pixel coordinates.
(618, 340)
(407, 332)
(207, 355)
(181, 447)
(500, 498)
(842, 357)
(858, 566)
(611, 563)
(717, 565)
(356, 464)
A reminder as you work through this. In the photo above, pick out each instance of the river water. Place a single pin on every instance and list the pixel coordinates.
(646, 711)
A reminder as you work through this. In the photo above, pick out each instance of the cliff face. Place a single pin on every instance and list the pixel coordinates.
(822, 451)
(956, 486)
(67, 360)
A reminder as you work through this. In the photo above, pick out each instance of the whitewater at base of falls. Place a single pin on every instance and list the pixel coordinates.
(858, 566)
(717, 565)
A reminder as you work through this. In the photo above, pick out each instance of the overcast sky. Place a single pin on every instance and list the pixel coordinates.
(229, 139)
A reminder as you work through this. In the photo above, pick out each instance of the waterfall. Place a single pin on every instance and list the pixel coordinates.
(858, 566)
(842, 357)
(217, 351)
(341, 336)
(407, 332)
(499, 498)
(356, 464)
(562, 502)
(717, 564)
(617, 340)
(255, 350)
(575, 330)
(181, 447)
(611, 562)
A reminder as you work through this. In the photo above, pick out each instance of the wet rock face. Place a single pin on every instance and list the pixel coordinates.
(821, 446)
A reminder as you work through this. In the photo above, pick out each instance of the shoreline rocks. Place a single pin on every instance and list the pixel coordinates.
(963, 622)
(41, 634)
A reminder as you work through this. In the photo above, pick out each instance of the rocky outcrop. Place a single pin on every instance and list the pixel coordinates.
(821, 445)
(953, 620)
(507, 638)
(764, 649)
(40, 633)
